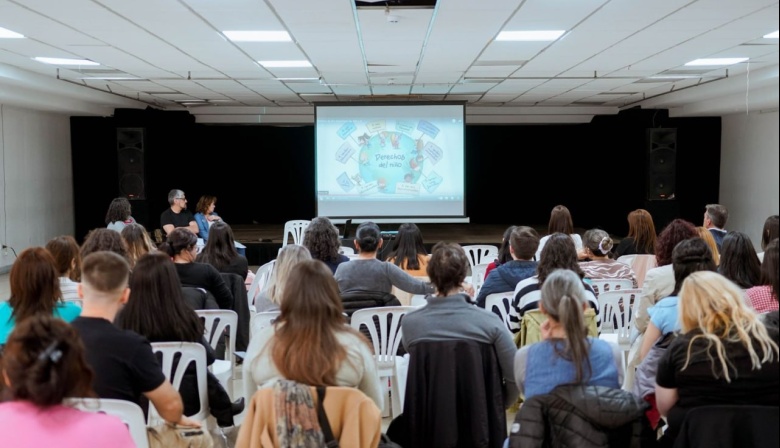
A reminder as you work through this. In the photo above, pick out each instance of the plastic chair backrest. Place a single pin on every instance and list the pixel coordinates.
(499, 303)
(262, 320)
(346, 250)
(130, 413)
(617, 311)
(296, 229)
(190, 352)
(262, 276)
(640, 264)
(480, 253)
(610, 284)
(478, 276)
(385, 336)
(214, 324)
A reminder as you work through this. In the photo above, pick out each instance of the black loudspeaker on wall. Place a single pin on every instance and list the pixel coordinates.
(130, 161)
(661, 163)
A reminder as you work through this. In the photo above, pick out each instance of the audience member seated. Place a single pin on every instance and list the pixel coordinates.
(503, 252)
(409, 251)
(119, 214)
(559, 253)
(641, 235)
(689, 256)
(567, 355)
(138, 242)
(738, 260)
(322, 239)
(597, 245)
(309, 342)
(715, 217)
(43, 364)
(35, 289)
(123, 362)
(177, 216)
(220, 251)
(104, 239)
(181, 245)
(65, 251)
(449, 340)
(156, 310)
(726, 356)
(205, 215)
(289, 257)
(763, 297)
(706, 235)
(523, 242)
(770, 232)
(560, 222)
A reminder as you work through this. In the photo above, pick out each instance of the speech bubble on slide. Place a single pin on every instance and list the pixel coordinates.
(428, 128)
(344, 182)
(369, 187)
(345, 152)
(433, 152)
(432, 182)
(407, 188)
(376, 126)
(404, 126)
(346, 129)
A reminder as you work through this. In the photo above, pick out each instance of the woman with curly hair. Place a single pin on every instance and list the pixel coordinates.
(118, 215)
(322, 240)
(104, 239)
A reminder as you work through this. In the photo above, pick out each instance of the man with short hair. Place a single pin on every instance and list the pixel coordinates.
(523, 242)
(177, 215)
(715, 217)
(123, 362)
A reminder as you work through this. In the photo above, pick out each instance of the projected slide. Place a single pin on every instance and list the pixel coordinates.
(390, 160)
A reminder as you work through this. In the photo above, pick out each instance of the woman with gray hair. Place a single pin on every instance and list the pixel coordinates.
(566, 354)
(597, 245)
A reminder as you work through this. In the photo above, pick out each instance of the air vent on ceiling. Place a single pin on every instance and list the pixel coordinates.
(388, 74)
(395, 4)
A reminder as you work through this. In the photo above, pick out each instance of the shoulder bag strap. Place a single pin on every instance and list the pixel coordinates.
(330, 441)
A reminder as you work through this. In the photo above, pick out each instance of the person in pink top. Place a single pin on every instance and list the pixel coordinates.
(763, 297)
(43, 364)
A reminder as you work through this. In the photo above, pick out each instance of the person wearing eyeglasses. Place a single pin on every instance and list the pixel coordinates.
(177, 216)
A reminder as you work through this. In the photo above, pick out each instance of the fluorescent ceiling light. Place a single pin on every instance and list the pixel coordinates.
(8, 34)
(716, 61)
(530, 36)
(297, 79)
(114, 78)
(675, 77)
(64, 61)
(772, 35)
(285, 64)
(258, 36)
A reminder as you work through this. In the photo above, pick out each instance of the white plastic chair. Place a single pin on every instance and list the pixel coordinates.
(296, 229)
(617, 317)
(499, 303)
(190, 352)
(261, 320)
(418, 300)
(386, 337)
(478, 276)
(214, 324)
(480, 253)
(346, 250)
(262, 276)
(610, 284)
(130, 413)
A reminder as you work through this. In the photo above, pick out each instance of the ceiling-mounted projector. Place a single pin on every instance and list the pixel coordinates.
(392, 19)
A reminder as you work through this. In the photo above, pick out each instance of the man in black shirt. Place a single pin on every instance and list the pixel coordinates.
(125, 366)
(177, 215)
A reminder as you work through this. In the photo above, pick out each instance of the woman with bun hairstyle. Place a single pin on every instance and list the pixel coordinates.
(597, 245)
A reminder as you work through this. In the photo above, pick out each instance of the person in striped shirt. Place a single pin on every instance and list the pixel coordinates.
(65, 251)
(596, 247)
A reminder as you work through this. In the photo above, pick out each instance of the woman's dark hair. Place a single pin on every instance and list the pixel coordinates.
(156, 308)
(45, 362)
(322, 239)
(689, 256)
(118, 210)
(65, 251)
(408, 247)
(670, 236)
(559, 252)
(178, 241)
(504, 255)
(34, 284)
(769, 268)
(368, 237)
(739, 261)
(204, 203)
(771, 231)
(448, 266)
(104, 239)
(220, 249)
(560, 221)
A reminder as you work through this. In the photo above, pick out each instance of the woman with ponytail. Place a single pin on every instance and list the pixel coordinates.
(43, 364)
(566, 355)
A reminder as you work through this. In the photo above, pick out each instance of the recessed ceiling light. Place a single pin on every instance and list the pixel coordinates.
(8, 34)
(114, 78)
(285, 64)
(716, 61)
(64, 61)
(772, 35)
(530, 36)
(258, 36)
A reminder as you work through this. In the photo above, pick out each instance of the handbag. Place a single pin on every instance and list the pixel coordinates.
(330, 440)
(169, 435)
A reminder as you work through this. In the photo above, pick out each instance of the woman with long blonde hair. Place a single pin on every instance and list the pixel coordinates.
(725, 356)
(706, 235)
(289, 257)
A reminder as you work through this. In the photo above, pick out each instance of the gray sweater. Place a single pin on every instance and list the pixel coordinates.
(448, 318)
(377, 275)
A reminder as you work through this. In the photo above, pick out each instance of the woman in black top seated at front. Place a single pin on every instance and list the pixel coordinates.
(181, 246)
(157, 311)
(220, 251)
